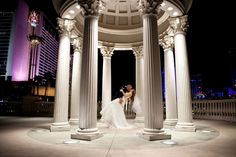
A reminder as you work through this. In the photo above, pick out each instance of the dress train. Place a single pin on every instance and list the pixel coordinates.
(113, 114)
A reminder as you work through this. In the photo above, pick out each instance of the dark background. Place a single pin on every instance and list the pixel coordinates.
(210, 42)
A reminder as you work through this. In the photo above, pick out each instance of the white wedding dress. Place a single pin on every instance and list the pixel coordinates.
(113, 113)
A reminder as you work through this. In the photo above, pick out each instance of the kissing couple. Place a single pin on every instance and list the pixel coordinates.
(113, 112)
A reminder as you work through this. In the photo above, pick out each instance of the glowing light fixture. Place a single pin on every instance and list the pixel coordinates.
(77, 7)
(163, 4)
(175, 13)
(169, 142)
(70, 141)
(170, 8)
(71, 11)
(33, 18)
(34, 39)
(67, 16)
(206, 131)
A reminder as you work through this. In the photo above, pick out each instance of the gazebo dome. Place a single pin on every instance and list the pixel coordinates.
(120, 23)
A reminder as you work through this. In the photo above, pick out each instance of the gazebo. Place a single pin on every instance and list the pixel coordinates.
(138, 25)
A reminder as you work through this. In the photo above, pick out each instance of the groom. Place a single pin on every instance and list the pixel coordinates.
(119, 93)
(126, 93)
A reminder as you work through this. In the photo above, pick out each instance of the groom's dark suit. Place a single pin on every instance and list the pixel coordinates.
(119, 94)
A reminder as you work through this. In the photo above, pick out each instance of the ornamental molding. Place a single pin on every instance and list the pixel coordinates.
(92, 7)
(77, 44)
(65, 26)
(149, 6)
(138, 51)
(179, 24)
(107, 51)
(167, 42)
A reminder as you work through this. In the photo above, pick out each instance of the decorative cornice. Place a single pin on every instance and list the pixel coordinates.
(149, 6)
(92, 7)
(138, 51)
(107, 51)
(77, 44)
(65, 26)
(167, 42)
(179, 24)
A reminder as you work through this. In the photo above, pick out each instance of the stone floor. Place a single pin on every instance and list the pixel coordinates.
(30, 137)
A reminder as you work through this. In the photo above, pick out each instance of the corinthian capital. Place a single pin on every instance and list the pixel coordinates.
(107, 51)
(179, 24)
(65, 26)
(167, 42)
(149, 6)
(92, 7)
(138, 51)
(77, 44)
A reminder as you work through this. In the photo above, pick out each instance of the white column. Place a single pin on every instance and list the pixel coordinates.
(170, 85)
(62, 78)
(106, 74)
(138, 52)
(184, 100)
(153, 105)
(88, 98)
(75, 82)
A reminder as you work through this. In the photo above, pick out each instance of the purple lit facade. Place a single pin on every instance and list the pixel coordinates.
(18, 65)
(19, 48)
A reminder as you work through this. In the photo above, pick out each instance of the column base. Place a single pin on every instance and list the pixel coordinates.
(170, 123)
(74, 121)
(154, 134)
(188, 127)
(60, 127)
(87, 134)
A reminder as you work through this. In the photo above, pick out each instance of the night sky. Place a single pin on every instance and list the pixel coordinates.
(210, 38)
(211, 43)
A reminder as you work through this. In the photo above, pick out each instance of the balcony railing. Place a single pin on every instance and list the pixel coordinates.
(202, 109)
(215, 109)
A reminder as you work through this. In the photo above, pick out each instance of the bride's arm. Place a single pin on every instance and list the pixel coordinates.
(128, 94)
(122, 91)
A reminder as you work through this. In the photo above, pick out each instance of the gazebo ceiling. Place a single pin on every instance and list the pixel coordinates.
(120, 23)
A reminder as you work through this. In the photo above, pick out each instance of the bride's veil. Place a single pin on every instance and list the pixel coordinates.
(136, 107)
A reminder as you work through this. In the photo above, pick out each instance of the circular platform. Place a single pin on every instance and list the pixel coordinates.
(120, 139)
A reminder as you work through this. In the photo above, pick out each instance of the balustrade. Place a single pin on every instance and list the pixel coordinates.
(215, 109)
(202, 109)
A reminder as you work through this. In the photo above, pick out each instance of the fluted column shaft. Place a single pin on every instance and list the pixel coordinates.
(152, 99)
(62, 78)
(88, 99)
(88, 87)
(75, 83)
(138, 52)
(106, 75)
(170, 82)
(171, 108)
(152, 75)
(184, 99)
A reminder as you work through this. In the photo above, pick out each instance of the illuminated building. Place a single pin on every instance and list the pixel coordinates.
(15, 45)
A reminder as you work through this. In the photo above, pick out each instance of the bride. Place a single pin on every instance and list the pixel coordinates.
(113, 112)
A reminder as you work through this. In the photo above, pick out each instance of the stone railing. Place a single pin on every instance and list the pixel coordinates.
(202, 109)
(38, 108)
(10, 108)
(215, 109)
(44, 108)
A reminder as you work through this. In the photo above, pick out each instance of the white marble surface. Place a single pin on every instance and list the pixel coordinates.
(30, 137)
